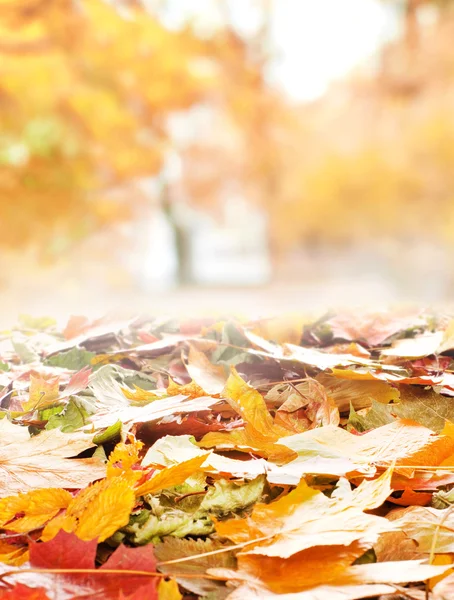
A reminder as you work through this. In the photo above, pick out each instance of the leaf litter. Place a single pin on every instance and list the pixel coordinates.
(152, 459)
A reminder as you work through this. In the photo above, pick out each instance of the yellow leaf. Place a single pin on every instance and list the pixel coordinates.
(191, 390)
(53, 527)
(441, 559)
(44, 391)
(139, 395)
(97, 512)
(359, 393)
(13, 555)
(37, 508)
(168, 590)
(171, 476)
(249, 403)
(123, 458)
(247, 439)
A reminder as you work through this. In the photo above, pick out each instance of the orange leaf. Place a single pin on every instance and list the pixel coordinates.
(307, 568)
(171, 476)
(12, 554)
(248, 440)
(36, 507)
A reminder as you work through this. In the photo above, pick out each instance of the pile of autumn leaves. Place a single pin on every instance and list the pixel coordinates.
(158, 460)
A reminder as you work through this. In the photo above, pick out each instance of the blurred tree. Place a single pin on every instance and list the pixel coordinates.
(85, 91)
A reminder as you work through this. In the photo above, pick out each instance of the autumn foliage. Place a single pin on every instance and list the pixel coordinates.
(239, 460)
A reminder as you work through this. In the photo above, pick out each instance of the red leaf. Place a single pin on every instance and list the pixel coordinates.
(77, 383)
(131, 559)
(23, 592)
(67, 551)
(146, 592)
(64, 551)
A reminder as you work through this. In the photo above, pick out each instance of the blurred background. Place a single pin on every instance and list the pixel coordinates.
(251, 156)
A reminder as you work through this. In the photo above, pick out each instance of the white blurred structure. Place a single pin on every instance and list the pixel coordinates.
(233, 252)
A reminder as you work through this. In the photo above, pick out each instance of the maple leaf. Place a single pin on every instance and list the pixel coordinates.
(260, 433)
(249, 440)
(319, 408)
(66, 551)
(171, 450)
(417, 347)
(377, 416)
(401, 442)
(424, 406)
(430, 527)
(307, 568)
(373, 329)
(172, 548)
(23, 592)
(248, 403)
(305, 518)
(43, 392)
(43, 460)
(359, 394)
(75, 359)
(353, 582)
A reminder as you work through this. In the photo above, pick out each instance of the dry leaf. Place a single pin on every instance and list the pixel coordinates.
(305, 518)
(43, 460)
(171, 476)
(35, 508)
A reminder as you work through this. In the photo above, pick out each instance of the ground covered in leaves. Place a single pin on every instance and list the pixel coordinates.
(280, 459)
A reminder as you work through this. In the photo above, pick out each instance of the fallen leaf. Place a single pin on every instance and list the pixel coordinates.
(308, 568)
(67, 551)
(35, 508)
(168, 590)
(431, 528)
(171, 476)
(96, 512)
(43, 460)
(359, 394)
(43, 392)
(173, 548)
(203, 372)
(24, 592)
(401, 442)
(305, 518)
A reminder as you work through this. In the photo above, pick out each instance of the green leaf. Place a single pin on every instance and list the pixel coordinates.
(228, 496)
(108, 435)
(38, 323)
(378, 415)
(74, 359)
(443, 499)
(4, 366)
(424, 406)
(72, 417)
(175, 522)
(25, 351)
(172, 548)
